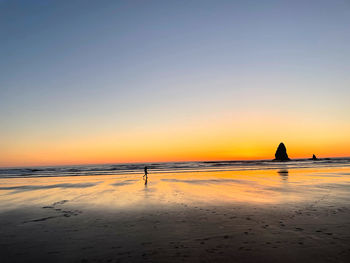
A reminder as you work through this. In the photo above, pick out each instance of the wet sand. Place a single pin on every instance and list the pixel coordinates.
(300, 215)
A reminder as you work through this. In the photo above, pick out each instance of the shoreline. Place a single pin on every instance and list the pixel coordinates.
(171, 168)
(297, 215)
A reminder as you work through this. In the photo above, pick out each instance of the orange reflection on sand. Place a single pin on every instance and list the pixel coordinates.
(190, 188)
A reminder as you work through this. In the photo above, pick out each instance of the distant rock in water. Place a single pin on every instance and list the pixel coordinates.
(281, 153)
(314, 157)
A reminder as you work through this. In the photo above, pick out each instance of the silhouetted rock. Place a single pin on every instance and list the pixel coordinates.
(281, 153)
(314, 157)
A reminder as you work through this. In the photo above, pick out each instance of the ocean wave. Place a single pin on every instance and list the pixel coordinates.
(137, 168)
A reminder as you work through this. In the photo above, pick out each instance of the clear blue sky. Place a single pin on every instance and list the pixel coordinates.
(98, 66)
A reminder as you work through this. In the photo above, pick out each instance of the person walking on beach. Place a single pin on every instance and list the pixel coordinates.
(145, 176)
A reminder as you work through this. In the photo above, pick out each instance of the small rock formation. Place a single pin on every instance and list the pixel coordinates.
(281, 153)
(314, 157)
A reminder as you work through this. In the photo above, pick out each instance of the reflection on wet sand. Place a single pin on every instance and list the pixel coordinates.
(19, 188)
(300, 215)
(127, 191)
(284, 174)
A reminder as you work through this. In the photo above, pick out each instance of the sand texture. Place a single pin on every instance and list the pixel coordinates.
(300, 215)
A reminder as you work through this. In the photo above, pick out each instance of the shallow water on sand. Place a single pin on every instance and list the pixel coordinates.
(129, 191)
(300, 215)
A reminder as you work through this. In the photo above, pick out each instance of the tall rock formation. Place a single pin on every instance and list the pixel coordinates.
(281, 153)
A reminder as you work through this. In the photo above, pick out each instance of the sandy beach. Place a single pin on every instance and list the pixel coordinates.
(174, 131)
(295, 215)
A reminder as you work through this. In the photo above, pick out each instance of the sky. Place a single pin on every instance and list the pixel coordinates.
(143, 81)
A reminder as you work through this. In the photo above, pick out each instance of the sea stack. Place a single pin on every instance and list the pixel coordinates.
(281, 153)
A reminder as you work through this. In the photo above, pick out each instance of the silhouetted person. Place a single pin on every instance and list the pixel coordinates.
(145, 176)
(314, 157)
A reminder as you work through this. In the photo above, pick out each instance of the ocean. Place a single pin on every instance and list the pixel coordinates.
(169, 167)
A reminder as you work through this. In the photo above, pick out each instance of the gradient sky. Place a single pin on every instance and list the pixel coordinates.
(134, 81)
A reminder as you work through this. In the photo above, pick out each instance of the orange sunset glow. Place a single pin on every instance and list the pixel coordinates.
(212, 138)
(174, 131)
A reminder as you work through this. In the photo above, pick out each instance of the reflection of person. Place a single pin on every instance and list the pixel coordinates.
(145, 176)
